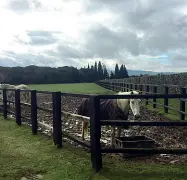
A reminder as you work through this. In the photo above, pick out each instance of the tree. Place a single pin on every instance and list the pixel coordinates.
(125, 73)
(121, 72)
(2, 78)
(100, 71)
(111, 75)
(95, 71)
(116, 75)
(105, 72)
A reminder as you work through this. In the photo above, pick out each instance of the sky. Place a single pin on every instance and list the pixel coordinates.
(142, 34)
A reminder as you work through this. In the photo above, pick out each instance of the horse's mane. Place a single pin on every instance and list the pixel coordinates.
(129, 92)
(22, 86)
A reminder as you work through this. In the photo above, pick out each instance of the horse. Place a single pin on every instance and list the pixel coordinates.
(10, 94)
(111, 109)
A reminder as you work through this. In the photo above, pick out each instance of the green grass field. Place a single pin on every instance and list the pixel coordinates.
(86, 88)
(91, 88)
(24, 155)
(172, 115)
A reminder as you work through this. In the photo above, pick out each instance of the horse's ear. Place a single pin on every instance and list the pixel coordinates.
(131, 92)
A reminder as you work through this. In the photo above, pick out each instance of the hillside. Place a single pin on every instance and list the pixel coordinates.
(139, 72)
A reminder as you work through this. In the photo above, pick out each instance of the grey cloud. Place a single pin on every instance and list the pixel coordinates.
(166, 37)
(179, 60)
(41, 37)
(69, 51)
(105, 43)
(21, 6)
(14, 59)
(163, 26)
(101, 42)
(181, 57)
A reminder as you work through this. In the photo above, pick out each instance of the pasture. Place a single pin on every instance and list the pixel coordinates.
(171, 115)
(87, 88)
(29, 156)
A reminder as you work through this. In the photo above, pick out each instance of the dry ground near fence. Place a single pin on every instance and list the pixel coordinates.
(27, 156)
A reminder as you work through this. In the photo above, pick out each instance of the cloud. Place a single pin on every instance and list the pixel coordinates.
(23, 6)
(106, 43)
(137, 33)
(41, 37)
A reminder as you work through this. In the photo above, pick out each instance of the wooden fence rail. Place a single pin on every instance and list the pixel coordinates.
(95, 122)
(147, 90)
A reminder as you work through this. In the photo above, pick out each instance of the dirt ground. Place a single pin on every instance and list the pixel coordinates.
(167, 137)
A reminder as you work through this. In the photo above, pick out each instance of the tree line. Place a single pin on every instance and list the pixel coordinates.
(66, 74)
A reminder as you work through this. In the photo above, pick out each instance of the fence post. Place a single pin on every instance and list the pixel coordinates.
(127, 87)
(166, 99)
(141, 88)
(112, 88)
(34, 112)
(182, 104)
(154, 99)
(131, 87)
(57, 123)
(5, 103)
(147, 92)
(135, 87)
(123, 86)
(95, 133)
(18, 106)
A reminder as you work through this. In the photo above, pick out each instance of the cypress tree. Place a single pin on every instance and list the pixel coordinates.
(121, 72)
(116, 72)
(125, 72)
(111, 75)
(95, 71)
(100, 70)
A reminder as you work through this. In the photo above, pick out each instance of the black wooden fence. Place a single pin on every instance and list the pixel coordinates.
(150, 89)
(95, 122)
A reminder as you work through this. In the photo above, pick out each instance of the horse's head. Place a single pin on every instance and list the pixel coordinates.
(135, 105)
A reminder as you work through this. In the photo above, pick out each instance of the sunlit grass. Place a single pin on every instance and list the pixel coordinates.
(23, 154)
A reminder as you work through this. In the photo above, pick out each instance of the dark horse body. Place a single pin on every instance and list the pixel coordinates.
(109, 110)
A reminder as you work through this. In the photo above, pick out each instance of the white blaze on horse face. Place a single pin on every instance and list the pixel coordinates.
(135, 106)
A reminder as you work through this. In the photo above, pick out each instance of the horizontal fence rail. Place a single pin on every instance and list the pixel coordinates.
(95, 121)
(143, 96)
(161, 92)
(142, 123)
